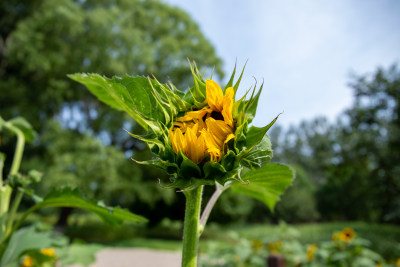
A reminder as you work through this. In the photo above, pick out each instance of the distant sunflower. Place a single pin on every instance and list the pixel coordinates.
(310, 251)
(347, 234)
(48, 252)
(28, 261)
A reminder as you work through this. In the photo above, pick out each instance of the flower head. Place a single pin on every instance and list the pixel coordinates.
(48, 252)
(206, 131)
(310, 251)
(199, 137)
(28, 261)
(347, 234)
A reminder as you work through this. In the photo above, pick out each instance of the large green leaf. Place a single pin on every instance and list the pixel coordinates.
(266, 184)
(27, 239)
(131, 94)
(68, 197)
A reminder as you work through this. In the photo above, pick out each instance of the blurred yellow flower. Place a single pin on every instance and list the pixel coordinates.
(257, 245)
(335, 236)
(27, 262)
(347, 234)
(398, 262)
(206, 130)
(48, 252)
(378, 265)
(310, 251)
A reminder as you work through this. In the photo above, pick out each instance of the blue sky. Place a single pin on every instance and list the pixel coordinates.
(303, 50)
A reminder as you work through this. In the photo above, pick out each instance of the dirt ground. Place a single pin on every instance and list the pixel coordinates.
(136, 257)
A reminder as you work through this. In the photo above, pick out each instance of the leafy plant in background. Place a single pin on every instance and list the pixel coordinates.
(199, 138)
(344, 250)
(16, 241)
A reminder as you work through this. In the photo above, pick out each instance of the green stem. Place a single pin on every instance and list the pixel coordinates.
(19, 149)
(5, 195)
(14, 208)
(191, 231)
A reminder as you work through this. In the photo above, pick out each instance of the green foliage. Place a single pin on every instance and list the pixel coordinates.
(155, 106)
(109, 175)
(266, 183)
(83, 254)
(25, 239)
(67, 197)
(240, 249)
(111, 37)
(299, 202)
(42, 41)
(354, 161)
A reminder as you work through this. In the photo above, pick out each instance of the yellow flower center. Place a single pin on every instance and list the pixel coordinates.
(207, 130)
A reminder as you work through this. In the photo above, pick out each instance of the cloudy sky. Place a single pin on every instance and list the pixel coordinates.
(303, 50)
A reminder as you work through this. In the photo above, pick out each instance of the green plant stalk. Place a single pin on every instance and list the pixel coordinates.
(5, 195)
(191, 228)
(19, 150)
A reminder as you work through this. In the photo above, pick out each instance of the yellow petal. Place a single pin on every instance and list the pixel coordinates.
(214, 95)
(195, 115)
(219, 130)
(229, 137)
(227, 106)
(177, 140)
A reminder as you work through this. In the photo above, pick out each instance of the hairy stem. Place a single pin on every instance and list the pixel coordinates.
(191, 233)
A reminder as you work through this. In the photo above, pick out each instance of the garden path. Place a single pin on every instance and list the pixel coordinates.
(136, 257)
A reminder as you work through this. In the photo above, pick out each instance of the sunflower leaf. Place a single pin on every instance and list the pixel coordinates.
(266, 183)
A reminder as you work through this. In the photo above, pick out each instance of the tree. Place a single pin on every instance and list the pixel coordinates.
(353, 161)
(370, 149)
(43, 41)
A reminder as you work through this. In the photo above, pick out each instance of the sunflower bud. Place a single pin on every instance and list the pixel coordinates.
(198, 138)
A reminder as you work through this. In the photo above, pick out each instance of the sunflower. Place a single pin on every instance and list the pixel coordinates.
(347, 234)
(200, 137)
(310, 251)
(206, 131)
(28, 261)
(48, 252)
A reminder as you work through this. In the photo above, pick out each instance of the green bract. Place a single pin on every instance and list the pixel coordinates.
(155, 106)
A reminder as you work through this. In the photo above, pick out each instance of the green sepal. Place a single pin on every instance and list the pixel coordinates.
(197, 94)
(169, 167)
(252, 103)
(188, 183)
(150, 139)
(255, 134)
(258, 156)
(188, 168)
(213, 170)
(240, 136)
(228, 161)
(266, 183)
(233, 175)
